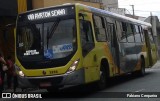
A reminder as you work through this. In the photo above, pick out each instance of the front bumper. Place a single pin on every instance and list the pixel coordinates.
(74, 78)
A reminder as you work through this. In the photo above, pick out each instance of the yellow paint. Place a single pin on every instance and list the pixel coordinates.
(154, 53)
(38, 72)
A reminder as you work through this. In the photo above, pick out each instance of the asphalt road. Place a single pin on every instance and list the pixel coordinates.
(117, 90)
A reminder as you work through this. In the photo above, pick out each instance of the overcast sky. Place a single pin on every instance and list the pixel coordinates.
(142, 7)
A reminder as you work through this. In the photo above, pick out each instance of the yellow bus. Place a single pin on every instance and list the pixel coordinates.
(75, 44)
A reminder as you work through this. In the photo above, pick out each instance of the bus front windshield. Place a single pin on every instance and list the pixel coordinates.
(46, 40)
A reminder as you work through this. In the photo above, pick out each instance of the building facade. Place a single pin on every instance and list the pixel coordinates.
(8, 14)
(46, 3)
(110, 3)
(95, 3)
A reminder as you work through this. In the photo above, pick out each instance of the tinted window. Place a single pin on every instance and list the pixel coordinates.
(87, 40)
(119, 32)
(86, 37)
(138, 34)
(51, 40)
(141, 32)
(130, 33)
(124, 32)
(99, 28)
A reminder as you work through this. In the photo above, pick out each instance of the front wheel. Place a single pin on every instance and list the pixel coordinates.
(102, 81)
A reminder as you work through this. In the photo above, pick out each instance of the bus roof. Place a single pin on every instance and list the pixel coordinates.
(114, 15)
(39, 9)
(100, 12)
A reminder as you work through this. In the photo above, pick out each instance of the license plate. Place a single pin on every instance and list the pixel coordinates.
(46, 84)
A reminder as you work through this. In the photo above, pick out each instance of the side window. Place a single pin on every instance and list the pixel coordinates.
(121, 33)
(86, 36)
(130, 32)
(137, 33)
(123, 37)
(99, 28)
(86, 33)
(110, 30)
(136, 29)
(142, 33)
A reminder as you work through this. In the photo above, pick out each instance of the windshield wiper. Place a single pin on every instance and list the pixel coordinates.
(53, 28)
(51, 32)
(47, 36)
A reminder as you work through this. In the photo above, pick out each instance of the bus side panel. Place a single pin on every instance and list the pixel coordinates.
(92, 61)
(127, 48)
(154, 53)
(129, 59)
(142, 52)
(89, 60)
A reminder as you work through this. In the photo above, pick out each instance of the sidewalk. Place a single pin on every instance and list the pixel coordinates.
(5, 86)
(157, 65)
(18, 89)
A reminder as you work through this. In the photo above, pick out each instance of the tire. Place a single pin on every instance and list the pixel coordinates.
(103, 79)
(142, 71)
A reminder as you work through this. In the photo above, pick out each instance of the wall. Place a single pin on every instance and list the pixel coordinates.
(8, 8)
(22, 6)
(110, 3)
(47, 3)
(37, 4)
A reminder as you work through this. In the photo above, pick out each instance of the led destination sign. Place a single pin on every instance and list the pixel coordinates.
(47, 14)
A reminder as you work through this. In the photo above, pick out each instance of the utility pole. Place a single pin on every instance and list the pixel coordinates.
(133, 10)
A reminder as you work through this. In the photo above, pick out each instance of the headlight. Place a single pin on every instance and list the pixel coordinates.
(73, 66)
(20, 73)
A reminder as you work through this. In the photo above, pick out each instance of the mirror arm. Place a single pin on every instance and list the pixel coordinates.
(81, 15)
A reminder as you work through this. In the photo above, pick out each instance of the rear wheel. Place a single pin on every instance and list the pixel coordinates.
(142, 71)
